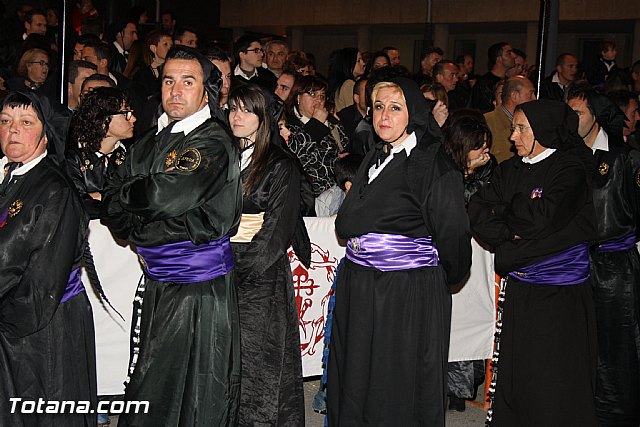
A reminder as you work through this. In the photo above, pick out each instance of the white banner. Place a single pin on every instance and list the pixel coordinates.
(117, 265)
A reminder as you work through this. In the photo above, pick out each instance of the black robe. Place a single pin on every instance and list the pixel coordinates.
(176, 188)
(46, 347)
(89, 173)
(546, 364)
(390, 333)
(271, 390)
(616, 286)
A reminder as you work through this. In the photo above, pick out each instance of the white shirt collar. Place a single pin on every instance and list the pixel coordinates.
(120, 49)
(245, 157)
(185, 125)
(240, 72)
(118, 145)
(407, 145)
(22, 169)
(540, 157)
(601, 142)
(112, 77)
(556, 79)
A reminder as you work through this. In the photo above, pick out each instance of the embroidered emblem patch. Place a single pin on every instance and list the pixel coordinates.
(119, 158)
(171, 158)
(355, 245)
(603, 168)
(638, 177)
(15, 208)
(188, 160)
(536, 193)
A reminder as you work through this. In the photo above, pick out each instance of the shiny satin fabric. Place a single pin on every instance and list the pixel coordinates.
(623, 243)
(184, 262)
(74, 286)
(249, 226)
(392, 252)
(569, 267)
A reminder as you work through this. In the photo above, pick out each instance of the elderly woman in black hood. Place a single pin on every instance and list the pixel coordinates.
(408, 237)
(537, 213)
(46, 325)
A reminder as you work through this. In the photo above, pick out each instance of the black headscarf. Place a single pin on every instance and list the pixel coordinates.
(53, 124)
(421, 120)
(554, 124)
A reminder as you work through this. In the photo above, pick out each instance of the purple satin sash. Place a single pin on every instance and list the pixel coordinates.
(74, 286)
(569, 267)
(392, 252)
(623, 243)
(185, 262)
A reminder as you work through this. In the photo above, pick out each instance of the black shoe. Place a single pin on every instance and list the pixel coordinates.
(456, 404)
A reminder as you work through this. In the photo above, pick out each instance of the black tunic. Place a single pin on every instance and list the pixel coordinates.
(390, 332)
(46, 347)
(175, 188)
(547, 345)
(271, 386)
(616, 286)
(89, 173)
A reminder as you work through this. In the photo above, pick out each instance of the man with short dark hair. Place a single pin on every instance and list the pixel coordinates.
(350, 116)
(429, 58)
(605, 65)
(276, 52)
(284, 84)
(394, 55)
(515, 91)
(123, 34)
(177, 198)
(555, 85)
(628, 103)
(94, 81)
(615, 262)
(249, 54)
(501, 58)
(168, 21)
(221, 59)
(185, 36)
(35, 23)
(78, 72)
(446, 73)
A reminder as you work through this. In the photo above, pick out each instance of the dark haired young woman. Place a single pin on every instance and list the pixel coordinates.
(271, 381)
(102, 120)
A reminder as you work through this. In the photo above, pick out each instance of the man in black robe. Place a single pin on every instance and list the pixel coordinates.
(615, 261)
(177, 198)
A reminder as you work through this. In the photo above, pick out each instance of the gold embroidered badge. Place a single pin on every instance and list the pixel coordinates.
(603, 168)
(189, 160)
(171, 158)
(638, 177)
(15, 208)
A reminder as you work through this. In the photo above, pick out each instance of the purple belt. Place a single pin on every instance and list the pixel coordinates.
(623, 243)
(185, 262)
(74, 286)
(569, 267)
(392, 252)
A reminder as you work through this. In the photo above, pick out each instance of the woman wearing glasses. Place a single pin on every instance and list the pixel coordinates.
(32, 71)
(316, 136)
(98, 126)
(347, 65)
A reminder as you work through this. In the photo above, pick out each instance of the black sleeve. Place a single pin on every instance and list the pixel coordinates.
(120, 222)
(444, 210)
(280, 221)
(30, 293)
(487, 210)
(565, 193)
(165, 195)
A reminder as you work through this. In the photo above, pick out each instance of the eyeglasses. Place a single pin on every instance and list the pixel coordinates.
(519, 128)
(255, 50)
(41, 62)
(127, 114)
(317, 95)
